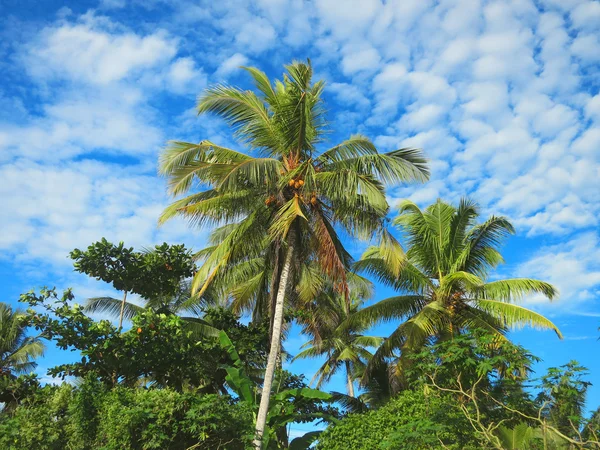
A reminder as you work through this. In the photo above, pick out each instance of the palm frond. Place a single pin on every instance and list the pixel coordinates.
(516, 316)
(392, 308)
(510, 290)
(111, 307)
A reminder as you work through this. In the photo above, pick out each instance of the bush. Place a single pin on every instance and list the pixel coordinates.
(94, 417)
(410, 421)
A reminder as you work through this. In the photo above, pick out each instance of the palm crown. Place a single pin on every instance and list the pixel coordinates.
(289, 183)
(443, 277)
(17, 351)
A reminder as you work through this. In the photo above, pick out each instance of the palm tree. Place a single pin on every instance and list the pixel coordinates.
(17, 351)
(183, 303)
(442, 278)
(378, 388)
(345, 347)
(284, 203)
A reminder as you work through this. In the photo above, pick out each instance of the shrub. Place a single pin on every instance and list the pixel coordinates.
(94, 417)
(411, 421)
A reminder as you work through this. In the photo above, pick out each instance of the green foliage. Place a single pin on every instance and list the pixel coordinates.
(470, 356)
(14, 390)
(93, 417)
(17, 350)
(41, 422)
(111, 263)
(158, 348)
(412, 420)
(591, 429)
(496, 369)
(516, 438)
(153, 273)
(563, 396)
(322, 318)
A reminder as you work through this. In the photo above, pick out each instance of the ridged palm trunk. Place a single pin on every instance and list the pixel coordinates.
(349, 380)
(261, 418)
(122, 310)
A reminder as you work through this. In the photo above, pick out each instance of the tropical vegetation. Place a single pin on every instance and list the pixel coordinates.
(192, 351)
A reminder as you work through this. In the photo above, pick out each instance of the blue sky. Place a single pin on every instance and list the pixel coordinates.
(502, 96)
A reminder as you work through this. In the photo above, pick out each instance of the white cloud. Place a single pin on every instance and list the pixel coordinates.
(573, 266)
(587, 47)
(586, 15)
(349, 94)
(57, 208)
(110, 120)
(87, 52)
(360, 58)
(588, 143)
(592, 108)
(486, 99)
(183, 76)
(349, 20)
(256, 35)
(421, 118)
(231, 64)
(389, 89)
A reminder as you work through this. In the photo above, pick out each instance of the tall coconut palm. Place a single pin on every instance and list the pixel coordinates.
(17, 350)
(286, 197)
(343, 347)
(442, 278)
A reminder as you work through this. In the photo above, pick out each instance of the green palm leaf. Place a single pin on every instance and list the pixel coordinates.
(515, 289)
(516, 316)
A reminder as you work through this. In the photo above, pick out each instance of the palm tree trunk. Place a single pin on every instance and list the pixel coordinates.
(261, 418)
(349, 379)
(273, 289)
(122, 310)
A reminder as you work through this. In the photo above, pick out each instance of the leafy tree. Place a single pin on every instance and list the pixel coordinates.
(563, 396)
(443, 278)
(17, 350)
(486, 378)
(156, 274)
(342, 346)
(516, 438)
(158, 348)
(494, 369)
(591, 430)
(283, 205)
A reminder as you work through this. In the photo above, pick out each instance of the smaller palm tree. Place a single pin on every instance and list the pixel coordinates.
(442, 278)
(189, 307)
(342, 346)
(17, 350)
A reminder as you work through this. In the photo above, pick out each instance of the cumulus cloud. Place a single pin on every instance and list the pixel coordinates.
(183, 76)
(56, 208)
(572, 266)
(113, 121)
(256, 35)
(231, 64)
(89, 52)
(499, 95)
